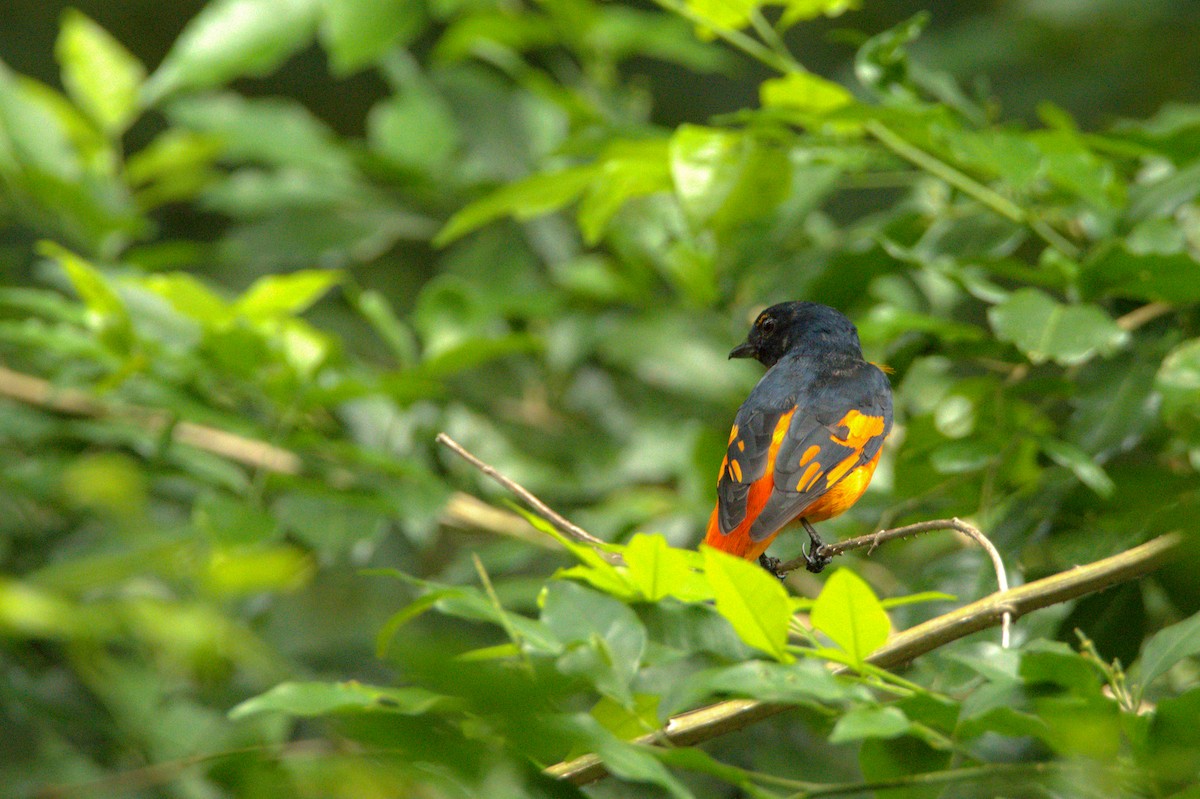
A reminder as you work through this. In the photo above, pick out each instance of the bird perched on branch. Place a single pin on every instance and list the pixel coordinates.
(806, 441)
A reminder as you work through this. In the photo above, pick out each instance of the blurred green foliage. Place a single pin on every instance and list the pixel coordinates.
(253, 319)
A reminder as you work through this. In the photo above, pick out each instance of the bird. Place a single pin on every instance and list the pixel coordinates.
(805, 443)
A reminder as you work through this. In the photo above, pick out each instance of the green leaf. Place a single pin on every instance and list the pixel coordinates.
(105, 307)
(869, 722)
(476, 351)
(232, 38)
(190, 297)
(375, 307)
(632, 762)
(357, 32)
(627, 170)
(800, 10)
(727, 178)
(273, 296)
(753, 601)
(32, 136)
(1172, 277)
(658, 570)
(415, 129)
(1046, 330)
(1056, 663)
(1081, 463)
(917, 598)
(848, 611)
(324, 698)
(270, 130)
(1169, 646)
(1178, 381)
(330, 522)
(89, 282)
(799, 683)
(101, 76)
(722, 14)
(804, 92)
(604, 639)
(627, 723)
(244, 571)
(463, 603)
(525, 199)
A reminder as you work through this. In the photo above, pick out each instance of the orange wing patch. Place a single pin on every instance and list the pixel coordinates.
(808, 478)
(738, 542)
(842, 495)
(843, 466)
(862, 429)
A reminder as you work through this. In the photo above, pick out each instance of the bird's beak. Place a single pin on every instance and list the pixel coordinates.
(744, 350)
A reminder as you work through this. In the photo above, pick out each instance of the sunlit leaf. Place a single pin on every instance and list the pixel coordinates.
(286, 295)
(94, 288)
(232, 38)
(101, 75)
(722, 14)
(753, 601)
(727, 177)
(848, 611)
(660, 571)
(628, 723)
(805, 92)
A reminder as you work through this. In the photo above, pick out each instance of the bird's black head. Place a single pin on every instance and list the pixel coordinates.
(804, 326)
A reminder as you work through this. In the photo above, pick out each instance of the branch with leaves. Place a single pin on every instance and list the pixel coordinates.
(998, 609)
(710, 722)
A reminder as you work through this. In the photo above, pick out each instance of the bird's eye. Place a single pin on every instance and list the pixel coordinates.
(767, 325)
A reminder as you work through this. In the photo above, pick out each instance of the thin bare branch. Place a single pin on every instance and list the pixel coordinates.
(471, 513)
(710, 722)
(544, 510)
(870, 542)
(1143, 314)
(242, 449)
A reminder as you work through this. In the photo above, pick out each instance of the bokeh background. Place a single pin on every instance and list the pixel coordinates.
(250, 246)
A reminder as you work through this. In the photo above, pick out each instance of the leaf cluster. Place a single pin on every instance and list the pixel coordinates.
(230, 329)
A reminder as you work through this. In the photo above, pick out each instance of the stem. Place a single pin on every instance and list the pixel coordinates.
(544, 510)
(969, 186)
(875, 539)
(771, 37)
(949, 777)
(241, 449)
(735, 38)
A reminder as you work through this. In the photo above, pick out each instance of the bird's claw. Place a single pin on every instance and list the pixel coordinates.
(772, 565)
(815, 558)
(815, 561)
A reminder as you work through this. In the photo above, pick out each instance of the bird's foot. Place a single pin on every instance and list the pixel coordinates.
(772, 565)
(816, 558)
